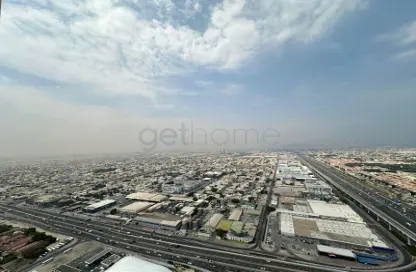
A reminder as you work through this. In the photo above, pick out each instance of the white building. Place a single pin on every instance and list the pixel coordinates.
(133, 264)
(136, 207)
(286, 225)
(340, 211)
(100, 205)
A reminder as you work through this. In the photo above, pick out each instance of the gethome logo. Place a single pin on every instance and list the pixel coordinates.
(152, 137)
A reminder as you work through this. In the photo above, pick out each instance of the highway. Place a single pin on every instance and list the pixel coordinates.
(117, 236)
(153, 247)
(370, 196)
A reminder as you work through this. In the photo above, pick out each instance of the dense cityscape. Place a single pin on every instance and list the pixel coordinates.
(175, 210)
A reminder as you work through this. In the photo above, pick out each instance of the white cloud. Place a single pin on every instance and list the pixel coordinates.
(405, 39)
(126, 48)
(407, 55)
(4, 80)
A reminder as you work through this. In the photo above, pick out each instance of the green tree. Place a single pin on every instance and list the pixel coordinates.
(220, 233)
(4, 228)
(30, 231)
(113, 211)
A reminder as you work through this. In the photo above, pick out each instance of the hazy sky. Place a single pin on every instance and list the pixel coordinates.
(87, 76)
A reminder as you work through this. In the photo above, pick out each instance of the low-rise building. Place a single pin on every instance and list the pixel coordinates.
(136, 207)
(104, 204)
(157, 223)
(318, 188)
(175, 188)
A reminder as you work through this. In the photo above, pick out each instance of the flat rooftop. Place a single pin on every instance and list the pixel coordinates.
(100, 204)
(331, 230)
(334, 210)
(147, 196)
(137, 207)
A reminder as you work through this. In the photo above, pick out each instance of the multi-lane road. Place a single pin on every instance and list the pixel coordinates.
(370, 195)
(151, 245)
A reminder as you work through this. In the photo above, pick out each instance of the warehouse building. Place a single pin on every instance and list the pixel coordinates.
(188, 211)
(44, 200)
(181, 199)
(238, 232)
(175, 188)
(104, 204)
(151, 197)
(97, 258)
(289, 190)
(286, 225)
(136, 207)
(318, 188)
(157, 223)
(338, 233)
(214, 220)
(339, 211)
(109, 261)
(236, 214)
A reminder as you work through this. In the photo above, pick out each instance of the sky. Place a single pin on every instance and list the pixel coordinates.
(114, 76)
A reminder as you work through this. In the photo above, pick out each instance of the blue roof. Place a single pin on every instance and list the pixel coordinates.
(367, 260)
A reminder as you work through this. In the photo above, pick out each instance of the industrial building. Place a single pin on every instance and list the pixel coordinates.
(289, 190)
(317, 208)
(214, 220)
(175, 188)
(188, 210)
(184, 186)
(97, 258)
(44, 200)
(136, 207)
(157, 223)
(104, 204)
(181, 199)
(287, 200)
(109, 261)
(242, 232)
(151, 197)
(235, 214)
(341, 233)
(340, 211)
(318, 188)
(286, 225)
